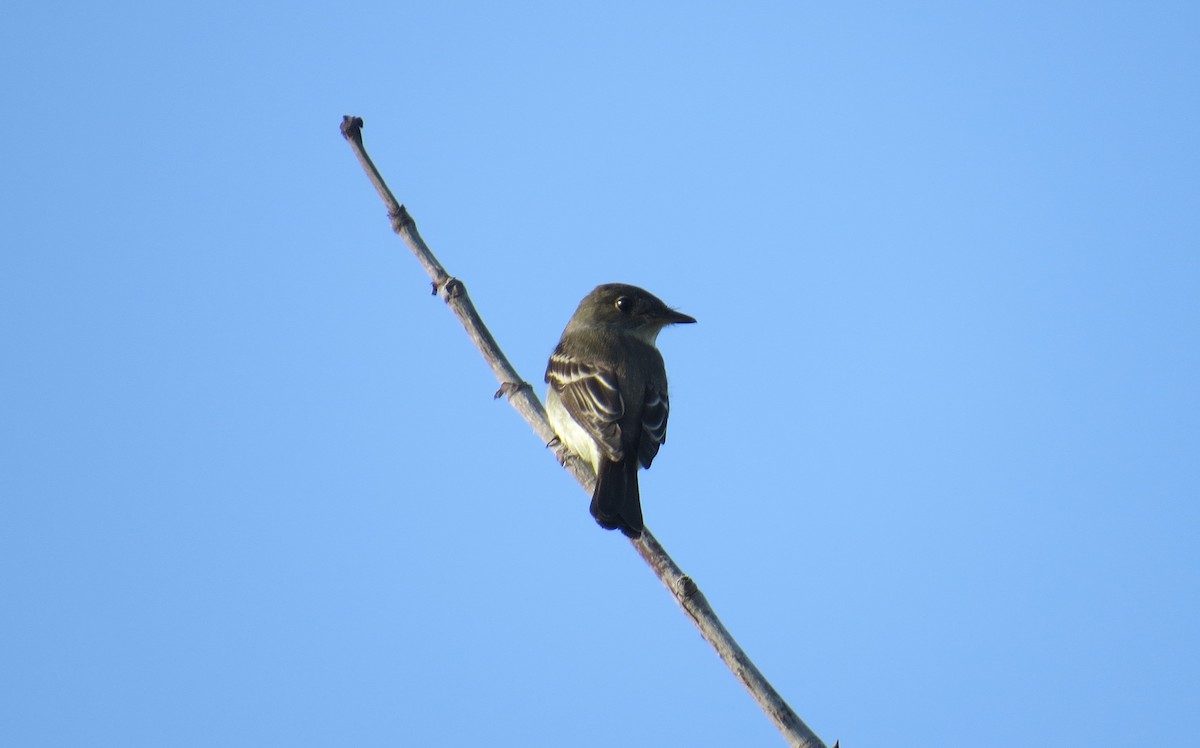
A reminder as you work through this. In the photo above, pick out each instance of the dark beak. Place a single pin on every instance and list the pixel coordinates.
(672, 317)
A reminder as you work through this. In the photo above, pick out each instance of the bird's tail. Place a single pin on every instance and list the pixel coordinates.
(616, 503)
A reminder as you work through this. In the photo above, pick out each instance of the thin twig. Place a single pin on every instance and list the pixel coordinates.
(522, 397)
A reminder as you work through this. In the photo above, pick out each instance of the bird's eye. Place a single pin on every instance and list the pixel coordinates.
(624, 304)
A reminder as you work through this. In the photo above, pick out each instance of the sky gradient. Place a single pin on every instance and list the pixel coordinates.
(934, 450)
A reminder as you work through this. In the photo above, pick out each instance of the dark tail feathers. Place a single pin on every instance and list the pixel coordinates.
(616, 504)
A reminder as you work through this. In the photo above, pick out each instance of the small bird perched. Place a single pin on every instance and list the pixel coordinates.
(607, 399)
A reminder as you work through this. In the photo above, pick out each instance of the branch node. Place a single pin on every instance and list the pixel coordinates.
(449, 288)
(687, 588)
(401, 220)
(510, 388)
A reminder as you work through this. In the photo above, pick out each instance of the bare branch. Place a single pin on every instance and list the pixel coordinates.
(522, 397)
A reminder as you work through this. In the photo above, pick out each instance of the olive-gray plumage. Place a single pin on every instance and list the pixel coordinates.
(607, 399)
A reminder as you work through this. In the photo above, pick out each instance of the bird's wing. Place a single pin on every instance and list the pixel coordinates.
(655, 410)
(592, 396)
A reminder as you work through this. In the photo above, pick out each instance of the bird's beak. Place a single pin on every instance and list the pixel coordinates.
(672, 317)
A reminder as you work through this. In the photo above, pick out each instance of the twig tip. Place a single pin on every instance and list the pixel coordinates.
(352, 127)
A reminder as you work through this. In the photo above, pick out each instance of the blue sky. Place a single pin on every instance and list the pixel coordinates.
(934, 443)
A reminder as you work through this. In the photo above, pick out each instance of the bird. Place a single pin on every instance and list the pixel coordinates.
(607, 395)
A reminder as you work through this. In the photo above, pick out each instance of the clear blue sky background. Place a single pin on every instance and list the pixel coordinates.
(935, 445)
